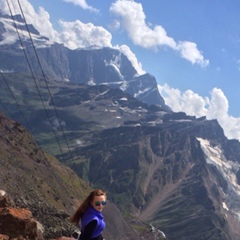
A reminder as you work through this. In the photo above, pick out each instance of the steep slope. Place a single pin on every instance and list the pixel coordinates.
(34, 180)
(39, 182)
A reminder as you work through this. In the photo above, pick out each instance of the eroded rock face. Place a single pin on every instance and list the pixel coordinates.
(16, 223)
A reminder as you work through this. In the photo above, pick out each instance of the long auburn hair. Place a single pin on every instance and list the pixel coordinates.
(85, 204)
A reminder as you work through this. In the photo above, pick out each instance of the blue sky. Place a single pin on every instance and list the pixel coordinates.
(191, 47)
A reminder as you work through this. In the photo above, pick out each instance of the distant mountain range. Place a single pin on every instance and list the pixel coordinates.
(92, 66)
(91, 109)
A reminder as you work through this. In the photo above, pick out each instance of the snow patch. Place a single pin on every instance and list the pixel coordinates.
(6, 71)
(79, 142)
(141, 92)
(112, 83)
(228, 169)
(124, 86)
(182, 120)
(116, 64)
(123, 99)
(225, 206)
(103, 93)
(91, 82)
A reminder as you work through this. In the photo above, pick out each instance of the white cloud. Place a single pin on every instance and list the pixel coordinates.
(180, 101)
(77, 34)
(132, 58)
(40, 19)
(83, 4)
(218, 105)
(114, 25)
(189, 51)
(74, 34)
(133, 19)
(134, 22)
(10, 36)
(192, 104)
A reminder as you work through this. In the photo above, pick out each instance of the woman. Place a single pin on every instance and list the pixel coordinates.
(89, 216)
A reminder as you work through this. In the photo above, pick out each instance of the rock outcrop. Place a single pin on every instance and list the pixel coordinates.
(17, 223)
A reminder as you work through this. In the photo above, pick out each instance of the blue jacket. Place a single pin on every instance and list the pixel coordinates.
(93, 214)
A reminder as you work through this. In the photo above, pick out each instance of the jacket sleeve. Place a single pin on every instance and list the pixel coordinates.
(88, 230)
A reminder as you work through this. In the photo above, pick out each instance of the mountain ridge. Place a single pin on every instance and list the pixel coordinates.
(107, 66)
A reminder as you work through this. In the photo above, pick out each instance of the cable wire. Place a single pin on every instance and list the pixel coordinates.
(30, 68)
(44, 77)
(19, 107)
(44, 80)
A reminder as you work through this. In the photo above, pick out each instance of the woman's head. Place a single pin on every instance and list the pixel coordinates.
(96, 198)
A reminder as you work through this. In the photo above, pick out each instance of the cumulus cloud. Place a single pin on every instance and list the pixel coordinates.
(83, 4)
(215, 107)
(40, 19)
(10, 36)
(132, 58)
(189, 51)
(114, 25)
(73, 34)
(134, 22)
(77, 34)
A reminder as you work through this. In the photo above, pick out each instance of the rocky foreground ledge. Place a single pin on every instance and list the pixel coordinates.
(18, 223)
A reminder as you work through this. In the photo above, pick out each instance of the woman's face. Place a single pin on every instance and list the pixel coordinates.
(99, 202)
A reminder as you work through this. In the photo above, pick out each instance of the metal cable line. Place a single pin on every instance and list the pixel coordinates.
(44, 77)
(30, 68)
(70, 178)
(28, 62)
(19, 107)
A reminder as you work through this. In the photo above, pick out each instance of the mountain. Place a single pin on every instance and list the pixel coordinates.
(37, 181)
(30, 176)
(175, 175)
(175, 171)
(91, 66)
(93, 112)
